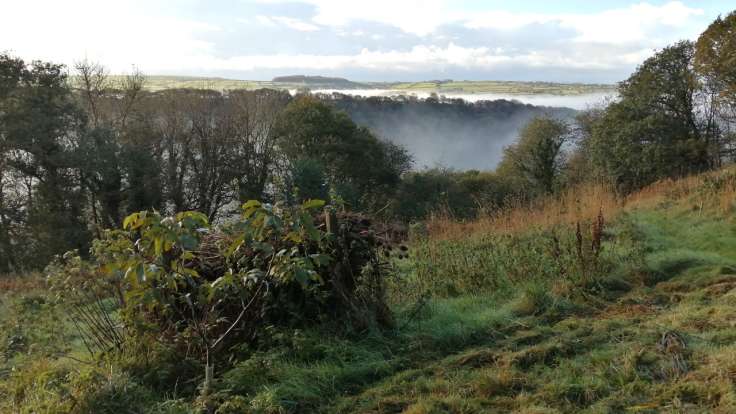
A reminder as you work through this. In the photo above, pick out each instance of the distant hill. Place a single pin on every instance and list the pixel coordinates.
(320, 81)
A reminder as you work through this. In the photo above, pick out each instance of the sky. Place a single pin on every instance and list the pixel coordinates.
(599, 41)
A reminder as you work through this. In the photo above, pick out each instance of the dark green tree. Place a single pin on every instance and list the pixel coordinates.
(102, 174)
(141, 165)
(362, 168)
(535, 161)
(309, 180)
(460, 194)
(654, 130)
(41, 130)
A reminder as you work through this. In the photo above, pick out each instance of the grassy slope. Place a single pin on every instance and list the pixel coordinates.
(481, 353)
(605, 361)
(492, 352)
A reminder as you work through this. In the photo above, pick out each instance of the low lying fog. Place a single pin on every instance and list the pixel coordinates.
(460, 136)
(577, 102)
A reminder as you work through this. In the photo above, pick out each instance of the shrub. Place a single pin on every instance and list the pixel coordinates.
(199, 289)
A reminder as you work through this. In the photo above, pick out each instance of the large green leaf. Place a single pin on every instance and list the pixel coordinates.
(131, 220)
(188, 242)
(251, 204)
(312, 204)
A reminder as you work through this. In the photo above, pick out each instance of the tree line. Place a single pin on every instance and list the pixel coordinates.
(78, 153)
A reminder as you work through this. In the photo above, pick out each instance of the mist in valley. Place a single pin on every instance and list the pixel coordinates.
(574, 101)
(457, 133)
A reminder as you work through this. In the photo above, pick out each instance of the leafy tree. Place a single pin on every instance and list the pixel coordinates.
(488, 191)
(579, 166)
(101, 173)
(142, 170)
(715, 59)
(10, 70)
(459, 194)
(41, 128)
(535, 161)
(655, 129)
(353, 158)
(309, 180)
(424, 192)
(11, 217)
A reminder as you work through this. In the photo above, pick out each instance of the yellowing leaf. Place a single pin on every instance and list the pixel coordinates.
(128, 222)
(314, 203)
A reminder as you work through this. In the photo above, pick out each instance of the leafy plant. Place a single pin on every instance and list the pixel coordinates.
(200, 288)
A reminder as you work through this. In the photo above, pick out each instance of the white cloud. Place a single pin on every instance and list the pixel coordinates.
(289, 22)
(422, 17)
(263, 20)
(119, 37)
(148, 33)
(412, 16)
(616, 26)
(419, 58)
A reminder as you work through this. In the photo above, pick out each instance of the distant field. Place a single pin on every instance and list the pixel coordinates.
(504, 87)
(157, 83)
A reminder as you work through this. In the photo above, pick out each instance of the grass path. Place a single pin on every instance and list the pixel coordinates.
(667, 345)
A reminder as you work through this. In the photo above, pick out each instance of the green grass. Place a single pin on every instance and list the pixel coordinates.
(607, 360)
(485, 325)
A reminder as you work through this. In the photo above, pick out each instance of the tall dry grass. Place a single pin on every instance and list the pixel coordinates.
(715, 189)
(583, 203)
(21, 283)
